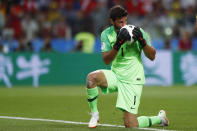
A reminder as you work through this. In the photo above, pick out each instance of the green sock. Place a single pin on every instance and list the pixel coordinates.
(155, 120)
(145, 121)
(92, 98)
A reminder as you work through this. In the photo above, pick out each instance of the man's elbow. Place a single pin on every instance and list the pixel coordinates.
(152, 57)
(106, 62)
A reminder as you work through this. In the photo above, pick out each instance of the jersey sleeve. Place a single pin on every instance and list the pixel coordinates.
(146, 37)
(105, 44)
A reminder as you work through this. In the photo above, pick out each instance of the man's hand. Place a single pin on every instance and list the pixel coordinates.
(137, 35)
(122, 36)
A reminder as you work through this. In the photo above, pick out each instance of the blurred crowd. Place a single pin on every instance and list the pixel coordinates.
(170, 23)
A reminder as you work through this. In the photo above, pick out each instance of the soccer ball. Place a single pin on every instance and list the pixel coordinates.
(130, 30)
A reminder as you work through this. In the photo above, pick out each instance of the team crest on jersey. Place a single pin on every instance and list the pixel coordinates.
(102, 45)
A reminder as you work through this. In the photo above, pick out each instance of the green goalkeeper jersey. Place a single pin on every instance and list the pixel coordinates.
(127, 65)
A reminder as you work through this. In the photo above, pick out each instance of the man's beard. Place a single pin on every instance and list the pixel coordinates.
(117, 29)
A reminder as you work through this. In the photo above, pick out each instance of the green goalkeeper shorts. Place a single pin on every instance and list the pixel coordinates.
(128, 94)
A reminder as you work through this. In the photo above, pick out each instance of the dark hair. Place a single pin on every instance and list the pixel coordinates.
(117, 12)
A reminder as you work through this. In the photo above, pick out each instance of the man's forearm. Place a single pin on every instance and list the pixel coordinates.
(150, 52)
(109, 56)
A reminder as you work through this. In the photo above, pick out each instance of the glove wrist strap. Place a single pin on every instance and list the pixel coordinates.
(117, 45)
(143, 43)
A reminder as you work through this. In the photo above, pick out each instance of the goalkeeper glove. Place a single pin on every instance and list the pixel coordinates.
(137, 35)
(122, 36)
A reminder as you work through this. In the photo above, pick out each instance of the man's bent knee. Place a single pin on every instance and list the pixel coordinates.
(130, 120)
(96, 78)
(92, 79)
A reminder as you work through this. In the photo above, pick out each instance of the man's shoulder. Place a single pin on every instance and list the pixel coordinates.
(146, 35)
(143, 31)
(107, 30)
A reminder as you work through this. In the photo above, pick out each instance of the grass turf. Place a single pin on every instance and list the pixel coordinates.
(69, 103)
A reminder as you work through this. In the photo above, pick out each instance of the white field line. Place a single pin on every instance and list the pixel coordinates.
(73, 122)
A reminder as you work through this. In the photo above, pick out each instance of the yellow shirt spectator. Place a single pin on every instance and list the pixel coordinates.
(88, 40)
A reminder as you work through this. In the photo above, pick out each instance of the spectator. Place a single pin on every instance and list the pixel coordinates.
(144, 7)
(3, 8)
(1, 47)
(43, 5)
(61, 29)
(7, 32)
(30, 27)
(7, 37)
(14, 20)
(53, 13)
(82, 23)
(176, 11)
(47, 45)
(45, 26)
(87, 6)
(187, 3)
(85, 41)
(2, 15)
(185, 42)
(98, 16)
(2, 22)
(167, 44)
(22, 45)
(196, 23)
(78, 47)
(29, 6)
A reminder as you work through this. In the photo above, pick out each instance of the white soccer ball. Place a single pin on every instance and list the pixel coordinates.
(130, 30)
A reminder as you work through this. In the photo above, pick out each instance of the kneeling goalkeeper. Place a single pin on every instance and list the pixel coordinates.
(126, 75)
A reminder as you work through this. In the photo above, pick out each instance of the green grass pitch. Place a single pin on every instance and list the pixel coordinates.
(69, 103)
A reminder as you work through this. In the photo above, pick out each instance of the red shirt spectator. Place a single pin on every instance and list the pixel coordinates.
(130, 6)
(29, 6)
(141, 7)
(185, 43)
(64, 3)
(88, 6)
(61, 29)
(144, 7)
(14, 21)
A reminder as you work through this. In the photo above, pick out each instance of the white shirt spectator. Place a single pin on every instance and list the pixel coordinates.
(29, 27)
(188, 3)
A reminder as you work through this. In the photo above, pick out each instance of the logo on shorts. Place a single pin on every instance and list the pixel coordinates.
(138, 79)
(132, 108)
